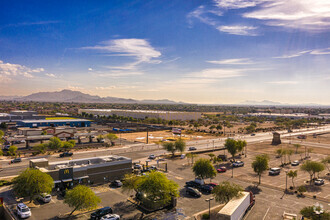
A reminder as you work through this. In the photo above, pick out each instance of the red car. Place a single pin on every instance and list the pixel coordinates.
(222, 169)
(212, 184)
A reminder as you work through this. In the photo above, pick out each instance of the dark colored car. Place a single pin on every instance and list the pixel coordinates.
(206, 188)
(16, 160)
(116, 183)
(66, 154)
(192, 148)
(222, 170)
(193, 192)
(98, 214)
(192, 184)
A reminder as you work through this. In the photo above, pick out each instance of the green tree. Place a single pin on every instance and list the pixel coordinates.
(112, 137)
(40, 148)
(1, 152)
(289, 152)
(279, 152)
(231, 146)
(225, 191)
(99, 138)
(68, 145)
(312, 167)
(191, 156)
(211, 155)
(204, 169)
(292, 174)
(3, 125)
(1, 133)
(44, 132)
(32, 182)
(241, 144)
(170, 147)
(157, 187)
(55, 143)
(326, 162)
(12, 150)
(131, 182)
(81, 198)
(309, 212)
(260, 164)
(180, 145)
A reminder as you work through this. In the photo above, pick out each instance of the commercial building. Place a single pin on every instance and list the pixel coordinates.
(20, 115)
(142, 114)
(277, 115)
(54, 123)
(26, 131)
(95, 170)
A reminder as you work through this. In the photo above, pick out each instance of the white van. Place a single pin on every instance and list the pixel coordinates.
(274, 171)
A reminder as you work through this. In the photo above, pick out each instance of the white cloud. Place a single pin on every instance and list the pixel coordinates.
(90, 69)
(325, 51)
(119, 74)
(283, 82)
(299, 14)
(236, 4)
(8, 70)
(50, 75)
(238, 30)
(217, 73)
(140, 49)
(200, 13)
(241, 61)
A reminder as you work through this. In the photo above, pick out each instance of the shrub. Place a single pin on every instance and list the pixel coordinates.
(206, 216)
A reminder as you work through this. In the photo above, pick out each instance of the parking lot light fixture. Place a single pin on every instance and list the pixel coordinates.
(209, 200)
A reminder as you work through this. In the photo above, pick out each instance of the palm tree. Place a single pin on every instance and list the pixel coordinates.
(292, 174)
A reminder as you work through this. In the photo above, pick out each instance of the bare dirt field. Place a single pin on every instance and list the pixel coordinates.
(320, 138)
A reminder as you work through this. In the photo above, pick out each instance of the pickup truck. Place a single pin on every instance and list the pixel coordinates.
(66, 154)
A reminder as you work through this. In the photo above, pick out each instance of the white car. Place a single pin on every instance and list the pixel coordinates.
(23, 211)
(111, 217)
(319, 182)
(152, 157)
(295, 163)
(45, 198)
(238, 164)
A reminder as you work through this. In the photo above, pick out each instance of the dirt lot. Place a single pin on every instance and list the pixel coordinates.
(321, 138)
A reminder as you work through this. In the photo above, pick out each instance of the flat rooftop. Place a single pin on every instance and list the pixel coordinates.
(87, 162)
(233, 204)
(50, 121)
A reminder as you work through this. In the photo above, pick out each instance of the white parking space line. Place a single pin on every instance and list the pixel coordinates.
(266, 213)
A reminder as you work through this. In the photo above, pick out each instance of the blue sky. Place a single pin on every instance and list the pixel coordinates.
(212, 52)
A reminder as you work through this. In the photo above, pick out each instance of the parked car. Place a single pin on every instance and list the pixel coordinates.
(111, 217)
(150, 168)
(222, 169)
(212, 184)
(66, 154)
(45, 197)
(16, 160)
(319, 182)
(274, 171)
(182, 156)
(253, 134)
(295, 163)
(192, 148)
(152, 157)
(6, 147)
(193, 192)
(238, 164)
(98, 214)
(205, 188)
(138, 166)
(116, 183)
(23, 211)
(192, 184)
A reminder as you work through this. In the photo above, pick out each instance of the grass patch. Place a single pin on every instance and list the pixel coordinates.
(59, 118)
(5, 183)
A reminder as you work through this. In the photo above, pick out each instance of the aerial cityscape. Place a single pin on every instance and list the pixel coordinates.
(195, 110)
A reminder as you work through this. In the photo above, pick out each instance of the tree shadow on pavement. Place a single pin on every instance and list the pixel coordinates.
(254, 189)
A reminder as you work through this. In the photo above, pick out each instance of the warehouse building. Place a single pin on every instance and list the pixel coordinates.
(20, 115)
(142, 114)
(95, 170)
(54, 123)
(26, 131)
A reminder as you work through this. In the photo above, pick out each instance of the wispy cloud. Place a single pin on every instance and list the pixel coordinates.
(217, 73)
(200, 13)
(238, 30)
(283, 82)
(31, 23)
(298, 14)
(50, 75)
(120, 74)
(140, 49)
(241, 61)
(325, 51)
(236, 4)
(9, 70)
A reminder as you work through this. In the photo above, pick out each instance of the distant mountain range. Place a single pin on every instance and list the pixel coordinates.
(271, 103)
(79, 97)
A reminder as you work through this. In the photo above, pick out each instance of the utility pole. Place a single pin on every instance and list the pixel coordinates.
(213, 145)
(147, 135)
(209, 200)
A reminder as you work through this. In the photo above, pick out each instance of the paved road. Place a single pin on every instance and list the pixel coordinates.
(14, 169)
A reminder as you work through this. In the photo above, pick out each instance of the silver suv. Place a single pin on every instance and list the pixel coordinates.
(274, 171)
(45, 198)
(23, 211)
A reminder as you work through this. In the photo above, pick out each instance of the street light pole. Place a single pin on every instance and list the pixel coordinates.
(209, 200)
(286, 181)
